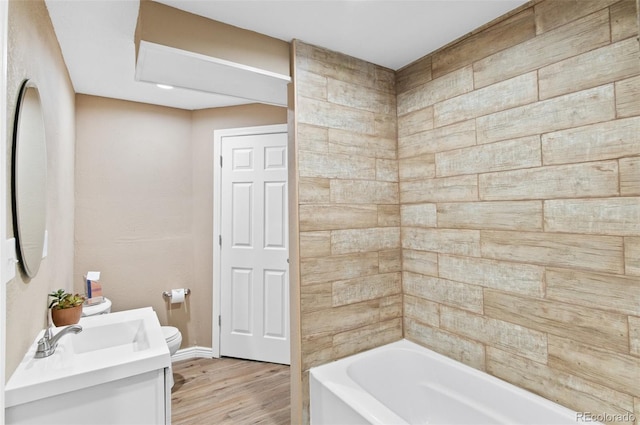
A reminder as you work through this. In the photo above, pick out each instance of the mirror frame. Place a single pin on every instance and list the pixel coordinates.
(29, 195)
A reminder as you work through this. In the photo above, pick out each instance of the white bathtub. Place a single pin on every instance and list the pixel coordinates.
(404, 383)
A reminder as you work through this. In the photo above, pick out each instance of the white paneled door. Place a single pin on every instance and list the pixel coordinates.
(254, 284)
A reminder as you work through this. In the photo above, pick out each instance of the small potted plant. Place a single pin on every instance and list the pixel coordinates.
(66, 308)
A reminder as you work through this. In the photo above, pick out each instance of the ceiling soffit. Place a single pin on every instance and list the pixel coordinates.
(184, 50)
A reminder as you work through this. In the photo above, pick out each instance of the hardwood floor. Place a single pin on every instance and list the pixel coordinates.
(229, 391)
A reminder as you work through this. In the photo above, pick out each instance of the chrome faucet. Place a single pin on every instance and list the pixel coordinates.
(48, 343)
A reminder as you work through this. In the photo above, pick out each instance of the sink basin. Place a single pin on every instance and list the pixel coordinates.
(128, 336)
(110, 347)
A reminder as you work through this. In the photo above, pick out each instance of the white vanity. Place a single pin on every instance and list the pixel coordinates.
(116, 371)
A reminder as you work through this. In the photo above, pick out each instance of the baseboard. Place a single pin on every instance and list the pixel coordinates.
(192, 353)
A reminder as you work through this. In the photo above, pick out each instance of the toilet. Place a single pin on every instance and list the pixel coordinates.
(172, 335)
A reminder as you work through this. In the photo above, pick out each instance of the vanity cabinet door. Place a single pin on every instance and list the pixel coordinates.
(138, 399)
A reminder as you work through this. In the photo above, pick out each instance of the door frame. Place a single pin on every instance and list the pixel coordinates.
(218, 135)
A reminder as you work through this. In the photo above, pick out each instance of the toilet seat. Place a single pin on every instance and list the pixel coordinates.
(170, 333)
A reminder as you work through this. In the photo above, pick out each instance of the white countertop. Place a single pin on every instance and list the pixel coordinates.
(110, 347)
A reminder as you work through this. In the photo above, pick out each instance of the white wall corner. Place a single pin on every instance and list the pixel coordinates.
(4, 15)
(9, 260)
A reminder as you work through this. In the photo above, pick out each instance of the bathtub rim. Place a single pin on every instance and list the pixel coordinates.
(351, 393)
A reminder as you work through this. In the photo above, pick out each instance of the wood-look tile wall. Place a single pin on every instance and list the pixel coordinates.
(348, 206)
(484, 201)
(519, 192)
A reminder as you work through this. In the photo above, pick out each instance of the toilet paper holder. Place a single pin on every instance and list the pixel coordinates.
(167, 294)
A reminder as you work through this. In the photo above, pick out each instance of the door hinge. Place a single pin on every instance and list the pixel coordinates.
(219, 320)
(220, 240)
(220, 161)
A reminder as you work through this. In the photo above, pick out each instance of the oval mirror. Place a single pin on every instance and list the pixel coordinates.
(29, 178)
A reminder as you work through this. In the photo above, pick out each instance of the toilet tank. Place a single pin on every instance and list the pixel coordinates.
(96, 309)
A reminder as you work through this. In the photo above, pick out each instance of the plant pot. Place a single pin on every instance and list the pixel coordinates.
(66, 316)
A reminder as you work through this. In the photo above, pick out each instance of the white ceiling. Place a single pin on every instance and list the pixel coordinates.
(96, 36)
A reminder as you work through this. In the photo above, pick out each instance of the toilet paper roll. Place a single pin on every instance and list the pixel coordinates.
(177, 296)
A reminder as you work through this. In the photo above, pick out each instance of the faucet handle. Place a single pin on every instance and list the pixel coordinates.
(44, 347)
(44, 344)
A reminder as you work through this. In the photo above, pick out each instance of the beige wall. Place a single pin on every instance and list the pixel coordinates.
(520, 202)
(133, 204)
(34, 54)
(144, 203)
(347, 177)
